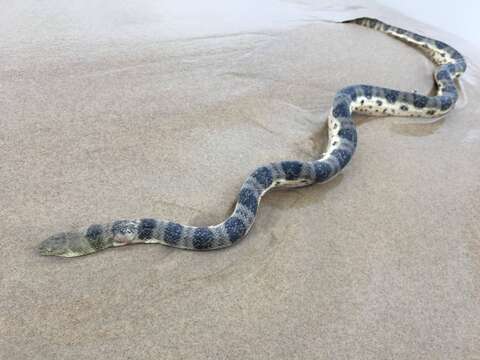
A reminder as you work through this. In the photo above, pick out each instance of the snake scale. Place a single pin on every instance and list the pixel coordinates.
(342, 142)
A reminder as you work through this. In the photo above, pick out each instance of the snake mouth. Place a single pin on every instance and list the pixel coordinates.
(44, 249)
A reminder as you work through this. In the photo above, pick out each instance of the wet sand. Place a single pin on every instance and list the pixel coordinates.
(128, 113)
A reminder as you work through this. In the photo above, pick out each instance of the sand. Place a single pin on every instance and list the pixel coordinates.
(134, 110)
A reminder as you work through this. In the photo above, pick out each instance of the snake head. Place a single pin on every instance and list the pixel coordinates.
(67, 244)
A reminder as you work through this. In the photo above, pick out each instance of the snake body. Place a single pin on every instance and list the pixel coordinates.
(342, 142)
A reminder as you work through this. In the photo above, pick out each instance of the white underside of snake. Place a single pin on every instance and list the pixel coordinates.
(342, 142)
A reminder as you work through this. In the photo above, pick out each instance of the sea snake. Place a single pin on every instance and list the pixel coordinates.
(342, 142)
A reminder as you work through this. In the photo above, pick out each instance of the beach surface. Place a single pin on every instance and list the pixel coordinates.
(160, 109)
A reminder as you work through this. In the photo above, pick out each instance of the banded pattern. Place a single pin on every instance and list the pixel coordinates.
(341, 146)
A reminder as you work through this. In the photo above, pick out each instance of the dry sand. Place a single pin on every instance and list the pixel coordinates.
(127, 111)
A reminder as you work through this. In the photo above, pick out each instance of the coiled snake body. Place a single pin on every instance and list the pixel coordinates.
(341, 146)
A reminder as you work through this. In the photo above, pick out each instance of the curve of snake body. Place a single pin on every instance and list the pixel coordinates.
(342, 142)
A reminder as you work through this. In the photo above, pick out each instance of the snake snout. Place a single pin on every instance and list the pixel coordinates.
(54, 245)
